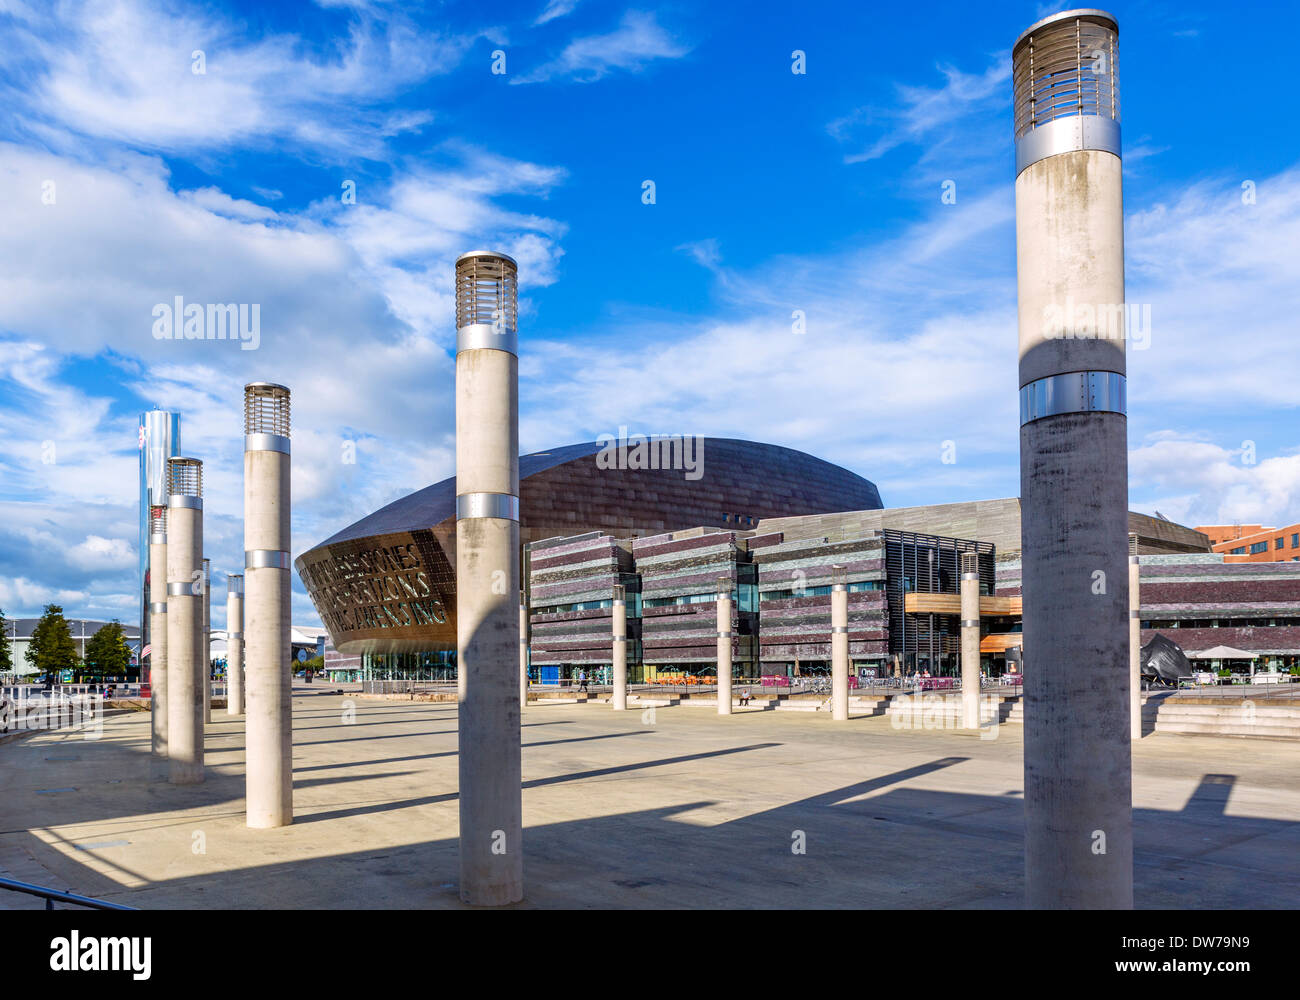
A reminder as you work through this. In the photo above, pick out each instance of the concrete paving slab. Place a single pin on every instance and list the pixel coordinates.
(627, 810)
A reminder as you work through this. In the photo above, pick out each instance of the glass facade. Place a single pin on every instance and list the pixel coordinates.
(435, 666)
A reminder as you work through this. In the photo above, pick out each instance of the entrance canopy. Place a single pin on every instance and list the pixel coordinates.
(1223, 653)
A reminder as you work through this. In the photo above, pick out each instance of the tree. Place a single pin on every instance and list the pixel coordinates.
(6, 647)
(51, 648)
(107, 654)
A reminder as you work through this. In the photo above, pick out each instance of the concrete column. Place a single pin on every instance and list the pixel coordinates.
(207, 642)
(159, 440)
(185, 621)
(1134, 641)
(724, 645)
(487, 578)
(267, 647)
(523, 652)
(158, 630)
(970, 640)
(619, 624)
(839, 644)
(235, 644)
(1073, 467)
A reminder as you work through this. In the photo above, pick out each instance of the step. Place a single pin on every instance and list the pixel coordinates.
(1226, 729)
(1258, 711)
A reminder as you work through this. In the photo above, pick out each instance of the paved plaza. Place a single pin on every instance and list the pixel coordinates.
(676, 809)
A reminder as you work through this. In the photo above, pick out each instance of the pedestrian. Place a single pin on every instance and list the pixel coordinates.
(582, 680)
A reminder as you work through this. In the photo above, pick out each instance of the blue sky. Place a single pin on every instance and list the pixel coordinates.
(775, 192)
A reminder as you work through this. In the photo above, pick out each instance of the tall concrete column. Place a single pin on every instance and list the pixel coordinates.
(207, 642)
(619, 624)
(724, 645)
(1073, 463)
(487, 578)
(970, 640)
(185, 620)
(159, 440)
(268, 728)
(158, 630)
(235, 644)
(523, 651)
(839, 644)
(1134, 640)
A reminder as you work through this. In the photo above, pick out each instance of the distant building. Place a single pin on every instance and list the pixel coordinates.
(82, 629)
(1254, 542)
(385, 587)
(1203, 601)
(901, 567)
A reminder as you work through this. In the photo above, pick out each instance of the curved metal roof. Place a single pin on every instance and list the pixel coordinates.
(433, 504)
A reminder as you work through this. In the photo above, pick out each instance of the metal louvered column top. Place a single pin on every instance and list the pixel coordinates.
(1065, 71)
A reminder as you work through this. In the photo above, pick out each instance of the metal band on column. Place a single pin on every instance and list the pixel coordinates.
(157, 607)
(486, 337)
(1073, 392)
(498, 505)
(266, 559)
(267, 442)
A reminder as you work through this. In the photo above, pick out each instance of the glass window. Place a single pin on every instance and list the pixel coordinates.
(1258, 547)
(852, 588)
(1295, 540)
(1277, 543)
(1239, 551)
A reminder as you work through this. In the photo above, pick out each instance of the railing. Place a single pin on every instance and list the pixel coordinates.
(1241, 685)
(52, 896)
(41, 710)
(767, 687)
(121, 689)
(411, 687)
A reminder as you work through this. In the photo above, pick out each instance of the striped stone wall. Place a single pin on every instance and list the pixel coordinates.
(798, 628)
(685, 563)
(579, 570)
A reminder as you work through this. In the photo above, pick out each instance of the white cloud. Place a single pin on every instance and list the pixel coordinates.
(125, 71)
(555, 9)
(923, 115)
(706, 253)
(28, 597)
(1216, 276)
(357, 318)
(636, 42)
(96, 552)
(1197, 481)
